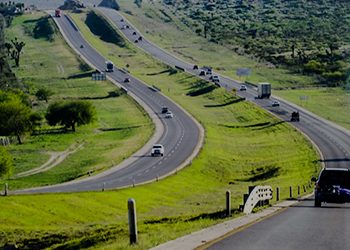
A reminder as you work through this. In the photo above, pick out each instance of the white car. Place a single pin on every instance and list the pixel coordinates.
(242, 88)
(157, 149)
(215, 78)
(169, 114)
(275, 104)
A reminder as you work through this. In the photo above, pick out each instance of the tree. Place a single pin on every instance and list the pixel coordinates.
(16, 53)
(6, 162)
(16, 119)
(70, 114)
(43, 94)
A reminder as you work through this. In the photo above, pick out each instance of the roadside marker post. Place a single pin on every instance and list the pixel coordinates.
(132, 221)
(290, 192)
(228, 203)
(277, 193)
(6, 189)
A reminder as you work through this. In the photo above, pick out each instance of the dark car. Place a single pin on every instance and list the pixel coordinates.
(332, 186)
(164, 110)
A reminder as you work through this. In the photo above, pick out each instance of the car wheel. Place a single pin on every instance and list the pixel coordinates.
(152, 154)
(161, 154)
(317, 203)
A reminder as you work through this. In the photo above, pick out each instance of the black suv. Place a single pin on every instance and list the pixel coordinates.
(333, 186)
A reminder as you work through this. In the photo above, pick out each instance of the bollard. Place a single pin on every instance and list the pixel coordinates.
(132, 221)
(304, 188)
(103, 186)
(6, 189)
(157, 178)
(133, 182)
(290, 192)
(228, 203)
(277, 193)
(298, 191)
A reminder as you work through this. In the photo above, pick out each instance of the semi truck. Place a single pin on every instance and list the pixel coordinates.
(57, 13)
(264, 90)
(109, 66)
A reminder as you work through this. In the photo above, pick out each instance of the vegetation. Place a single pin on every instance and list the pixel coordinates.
(121, 126)
(6, 162)
(70, 114)
(244, 146)
(305, 36)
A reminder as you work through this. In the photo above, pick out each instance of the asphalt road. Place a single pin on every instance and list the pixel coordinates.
(299, 227)
(180, 135)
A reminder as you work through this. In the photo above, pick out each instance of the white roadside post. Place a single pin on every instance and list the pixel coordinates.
(132, 221)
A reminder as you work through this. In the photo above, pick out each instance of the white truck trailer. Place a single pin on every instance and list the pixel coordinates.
(264, 90)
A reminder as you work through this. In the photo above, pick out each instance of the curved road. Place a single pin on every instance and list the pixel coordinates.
(181, 135)
(301, 226)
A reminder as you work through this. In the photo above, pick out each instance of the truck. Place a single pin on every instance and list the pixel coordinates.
(57, 13)
(109, 66)
(264, 90)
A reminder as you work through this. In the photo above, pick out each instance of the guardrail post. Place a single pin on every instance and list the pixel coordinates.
(277, 193)
(228, 203)
(132, 221)
(6, 189)
(290, 192)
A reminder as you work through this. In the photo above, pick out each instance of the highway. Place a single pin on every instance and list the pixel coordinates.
(181, 135)
(299, 227)
(333, 141)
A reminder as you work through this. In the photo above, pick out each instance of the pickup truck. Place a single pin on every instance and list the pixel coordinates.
(157, 149)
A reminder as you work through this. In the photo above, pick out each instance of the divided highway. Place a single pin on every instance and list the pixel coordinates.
(333, 141)
(181, 135)
(301, 226)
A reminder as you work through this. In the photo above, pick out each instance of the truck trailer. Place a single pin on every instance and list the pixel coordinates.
(264, 90)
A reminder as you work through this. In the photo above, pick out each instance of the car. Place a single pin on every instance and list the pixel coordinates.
(164, 110)
(195, 66)
(81, 46)
(242, 88)
(202, 73)
(295, 116)
(169, 114)
(332, 186)
(127, 79)
(157, 149)
(215, 78)
(134, 33)
(275, 104)
(140, 38)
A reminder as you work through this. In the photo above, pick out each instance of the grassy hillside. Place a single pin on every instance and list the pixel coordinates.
(121, 128)
(244, 146)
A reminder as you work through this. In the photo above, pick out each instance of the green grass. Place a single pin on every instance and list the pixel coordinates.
(330, 103)
(53, 65)
(244, 146)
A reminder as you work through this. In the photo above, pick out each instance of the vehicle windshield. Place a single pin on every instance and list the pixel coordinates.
(334, 177)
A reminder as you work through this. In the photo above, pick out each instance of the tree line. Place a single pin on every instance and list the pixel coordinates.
(309, 37)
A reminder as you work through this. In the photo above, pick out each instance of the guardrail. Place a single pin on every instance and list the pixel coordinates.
(257, 195)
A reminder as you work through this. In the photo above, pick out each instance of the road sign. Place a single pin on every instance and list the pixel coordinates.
(98, 77)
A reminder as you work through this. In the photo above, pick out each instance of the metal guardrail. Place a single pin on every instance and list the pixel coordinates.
(258, 194)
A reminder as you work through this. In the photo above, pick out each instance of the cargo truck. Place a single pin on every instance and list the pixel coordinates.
(109, 66)
(57, 13)
(264, 90)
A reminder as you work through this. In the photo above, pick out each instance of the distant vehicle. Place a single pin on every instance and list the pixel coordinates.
(208, 70)
(295, 116)
(127, 79)
(332, 186)
(122, 20)
(109, 66)
(242, 88)
(157, 149)
(81, 46)
(202, 73)
(275, 104)
(134, 33)
(164, 110)
(57, 13)
(169, 114)
(140, 38)
(215, 78)
(264, 90)
(195, 66)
